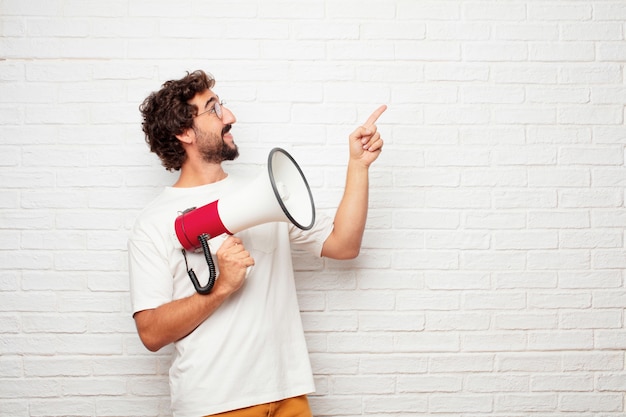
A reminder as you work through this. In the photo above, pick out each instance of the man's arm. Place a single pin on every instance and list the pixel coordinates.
(344, 242)
(171, 322)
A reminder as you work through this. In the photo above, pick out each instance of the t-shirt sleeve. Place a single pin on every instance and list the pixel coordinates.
(151, 282)
(312, 240)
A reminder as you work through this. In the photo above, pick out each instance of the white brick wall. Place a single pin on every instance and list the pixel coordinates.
(491, 281)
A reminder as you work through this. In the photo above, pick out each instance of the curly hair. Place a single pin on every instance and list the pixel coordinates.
(167, 113)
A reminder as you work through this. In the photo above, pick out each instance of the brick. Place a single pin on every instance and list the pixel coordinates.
(429, 10)
(525, 115)
(591, 74)
(458, 404)
(490, 177)
(525, 156)
(425, 50)
(495, 52)
(352, 343)
(525, 321)
(401, 30)
(500, 302)
(351, 385)
(564, 259)
(494, 220)
(528, 362)
(437, 71)
(565, 95)
(494, 342)
(333, 364)
(391, 322)
(516, 240)
(457, 240)
(611, 52)
(463, 363)
(132, 407)
(591, 402)
(483, 260)
(426, 342)
(484, 94)
(610, 11)
(358, 50)
(458, 198)
(598, 198)
(456, 322)
(593, 361)
(612, 382)
(429, 384)
(467, 158)
(526, 32)
(510, 280)
(429, 302)
(561, 340)
(573, 239)
(457, 281)
(396, 403)
(610, 340)
(494, 11)
(560, 134)
(393, 364)
(593, 115)
(591, 31)
(559, 300)
(497, 383)
(524, 74)
(325, 322)
(526, 403)
(559, 12)
(591, 320)
(425, 260)
(559, 177)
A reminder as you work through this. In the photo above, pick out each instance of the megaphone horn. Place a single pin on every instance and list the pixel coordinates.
(281, 195)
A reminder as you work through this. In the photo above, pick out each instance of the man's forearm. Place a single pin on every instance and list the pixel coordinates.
(350, 218)
(173, 321)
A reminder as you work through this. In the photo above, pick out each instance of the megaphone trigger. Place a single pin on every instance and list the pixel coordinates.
(216, 242)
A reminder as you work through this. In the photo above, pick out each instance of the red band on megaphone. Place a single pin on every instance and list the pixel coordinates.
(195, 222)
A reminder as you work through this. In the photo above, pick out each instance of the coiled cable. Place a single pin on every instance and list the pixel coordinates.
(204, 241)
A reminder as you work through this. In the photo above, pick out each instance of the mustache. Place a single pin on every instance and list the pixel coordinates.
(226, 129)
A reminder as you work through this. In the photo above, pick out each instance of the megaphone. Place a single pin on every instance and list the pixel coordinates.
(282, 194)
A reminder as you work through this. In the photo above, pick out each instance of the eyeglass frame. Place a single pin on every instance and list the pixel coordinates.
(215, 108)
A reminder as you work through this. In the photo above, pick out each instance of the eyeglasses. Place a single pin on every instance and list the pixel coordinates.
(216, 108)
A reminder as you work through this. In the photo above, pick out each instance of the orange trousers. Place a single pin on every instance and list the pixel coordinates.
(289, 407)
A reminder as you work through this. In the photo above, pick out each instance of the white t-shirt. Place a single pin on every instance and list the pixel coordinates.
(251, 350)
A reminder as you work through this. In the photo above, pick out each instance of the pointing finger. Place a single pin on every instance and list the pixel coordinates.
(372, 119)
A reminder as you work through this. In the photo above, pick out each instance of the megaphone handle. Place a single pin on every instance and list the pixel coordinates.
(204, 241)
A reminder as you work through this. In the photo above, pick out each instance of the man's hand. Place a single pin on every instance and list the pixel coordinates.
(365, 142)
(233, 260)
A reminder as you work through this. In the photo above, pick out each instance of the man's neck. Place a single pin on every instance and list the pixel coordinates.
(195, 175)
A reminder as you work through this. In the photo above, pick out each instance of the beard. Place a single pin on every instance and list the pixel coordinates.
(213, 148)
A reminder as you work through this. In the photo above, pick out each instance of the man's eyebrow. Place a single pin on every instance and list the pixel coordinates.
(209, 101)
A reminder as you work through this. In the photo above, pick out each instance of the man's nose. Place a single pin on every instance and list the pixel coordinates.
(228, 117)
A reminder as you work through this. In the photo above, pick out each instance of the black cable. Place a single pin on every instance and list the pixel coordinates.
(204, 241)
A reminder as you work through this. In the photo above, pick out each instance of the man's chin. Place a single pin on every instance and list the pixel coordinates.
(230, 152)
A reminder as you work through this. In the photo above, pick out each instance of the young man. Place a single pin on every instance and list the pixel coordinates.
(240, 349)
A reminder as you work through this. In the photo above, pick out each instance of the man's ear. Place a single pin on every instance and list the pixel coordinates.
(187, 136)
